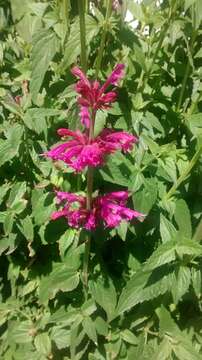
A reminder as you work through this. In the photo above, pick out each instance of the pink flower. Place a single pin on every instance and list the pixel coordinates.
(113, 209)
(78, 152)
(85, 116)
(109, 208)
(93, 95)
(120, 140)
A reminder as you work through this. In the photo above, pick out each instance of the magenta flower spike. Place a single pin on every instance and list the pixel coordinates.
(78, 152)
(81, 150)
(93, 95)
(110, 209)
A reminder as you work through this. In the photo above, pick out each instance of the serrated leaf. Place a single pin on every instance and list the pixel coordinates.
(166, 252)
(101, 326)
(167, 230)
(163, 351)
(66, 240)
(45, 45)
(16, 194)
(183, 218)
(195, 124)
(104, 293)
(21, 333)
(140, 289)
(61, 337)
(27, 228)
(43, 344)
(61, 278)
(35, 118)
(181, 283)
(100, 122)
(42, 205)
(8, 222)
(129, 337)
(9, 147)
(122, 230)
(196, 281)
(145, 198)
(73, 46)
(90, 330)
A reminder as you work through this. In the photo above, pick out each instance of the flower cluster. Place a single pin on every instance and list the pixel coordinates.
(81, 149)
(110, 209)
(79, 152)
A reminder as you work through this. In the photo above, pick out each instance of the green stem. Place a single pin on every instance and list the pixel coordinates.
(88, 206)
(144, 77)
(198, 233)
(186, 74)
(103, 38)
(81, 7)
(184, 174)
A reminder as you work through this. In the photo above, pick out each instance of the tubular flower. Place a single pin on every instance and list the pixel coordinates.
(113, 208)
(92, 94)
(109, 208)
(120, 140)
(79, 152)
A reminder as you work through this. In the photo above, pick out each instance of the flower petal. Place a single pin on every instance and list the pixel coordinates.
(85, 116)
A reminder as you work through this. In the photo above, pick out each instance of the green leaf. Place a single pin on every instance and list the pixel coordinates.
(42, 205)
(188, 3)
(196, 281)
(104, 293)
(140, 289)
(60, 336)
(9, 148)
(16, 194)
(61, 278)
(66, 240)
(151, 121)
(163, 351)
(8, 243)
(186, 351)
(21, 332)
(100, 122)
(29, 287)
(183, 218)
(166, 252)
(3, 191)
(145, 198)
(101, 326)
(129, 337)
(181, 283)
(194, 123)
(166, 322)
(90, 330)
(8, 222)
(167, 230)
(27, 229)
(43, 344)
(35, 118)
(116, 174)
(73, 46)
(45, 45)
(122, 230)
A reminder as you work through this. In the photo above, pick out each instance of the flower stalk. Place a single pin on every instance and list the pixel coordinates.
(81, 7)
(103, 38)
(88, 206)
(82, 150)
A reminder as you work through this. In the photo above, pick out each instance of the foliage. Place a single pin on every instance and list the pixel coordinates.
(145, 280)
